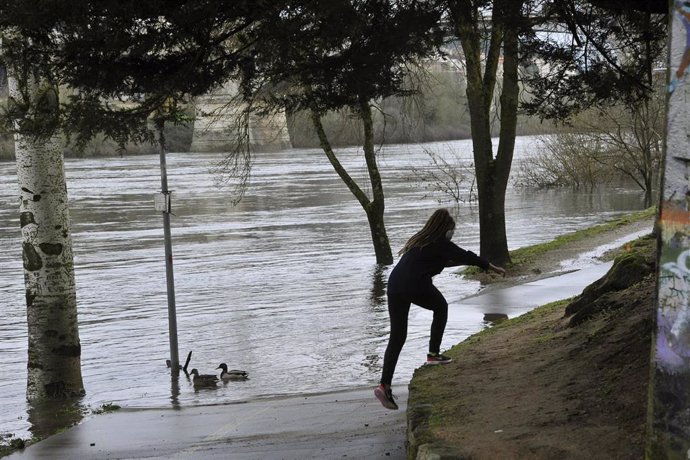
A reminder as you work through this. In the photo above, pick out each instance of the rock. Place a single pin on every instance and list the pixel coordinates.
(495, 318)
(628, 270)
(437, 451)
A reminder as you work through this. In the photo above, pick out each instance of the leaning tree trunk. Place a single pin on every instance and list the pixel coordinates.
(374, 208)
(54, 361)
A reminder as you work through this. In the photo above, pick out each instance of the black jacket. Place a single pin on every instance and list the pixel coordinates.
(418, 265)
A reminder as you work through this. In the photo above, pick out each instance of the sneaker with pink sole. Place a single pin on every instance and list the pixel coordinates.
(385, 395)
(437, 358)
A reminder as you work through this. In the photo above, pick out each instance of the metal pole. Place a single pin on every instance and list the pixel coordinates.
(169, 276)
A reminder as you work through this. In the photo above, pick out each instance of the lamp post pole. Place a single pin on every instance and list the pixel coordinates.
(164, 206)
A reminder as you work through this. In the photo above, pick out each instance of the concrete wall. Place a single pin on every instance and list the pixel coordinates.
(217, 127)
(669, 414)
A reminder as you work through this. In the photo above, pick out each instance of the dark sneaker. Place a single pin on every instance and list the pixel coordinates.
(437, 358)
(386, 397)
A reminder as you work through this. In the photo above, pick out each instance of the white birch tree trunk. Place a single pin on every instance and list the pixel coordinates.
(54, 361)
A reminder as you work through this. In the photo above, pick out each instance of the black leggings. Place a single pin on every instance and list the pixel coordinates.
(398, 309)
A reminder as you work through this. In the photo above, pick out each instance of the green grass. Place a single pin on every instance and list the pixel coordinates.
(11, 444)
(524, 255)
(424, 382)
(106, 408)
(531, 315)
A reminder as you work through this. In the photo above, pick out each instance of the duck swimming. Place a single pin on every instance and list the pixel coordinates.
(232, 374)
(203, 379)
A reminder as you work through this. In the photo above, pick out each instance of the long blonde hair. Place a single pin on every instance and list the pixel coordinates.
(436, 227)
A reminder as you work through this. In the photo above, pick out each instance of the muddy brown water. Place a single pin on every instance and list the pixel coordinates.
(283, 285)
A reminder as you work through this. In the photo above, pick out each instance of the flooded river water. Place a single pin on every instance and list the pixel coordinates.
(283, 285)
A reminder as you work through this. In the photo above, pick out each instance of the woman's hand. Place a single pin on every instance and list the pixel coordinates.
(500, 270)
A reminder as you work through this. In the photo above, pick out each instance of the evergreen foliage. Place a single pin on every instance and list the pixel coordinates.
(326, 56)
(127, 59)
(144, 53)
(587, 53)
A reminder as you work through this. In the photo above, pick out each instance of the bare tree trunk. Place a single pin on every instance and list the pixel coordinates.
(373, 208)
(497, 250)
(54, 361)
(492, 173)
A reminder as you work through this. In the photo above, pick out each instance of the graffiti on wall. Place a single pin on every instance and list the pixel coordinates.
(669, 423)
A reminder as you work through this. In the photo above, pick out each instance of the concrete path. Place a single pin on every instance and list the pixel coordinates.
(516, 300)
(344, 424)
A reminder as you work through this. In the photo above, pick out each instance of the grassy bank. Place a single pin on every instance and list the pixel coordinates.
(523, 256)
(566, 380)
(533, 261)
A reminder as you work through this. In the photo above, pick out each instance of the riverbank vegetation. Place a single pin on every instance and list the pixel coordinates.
(602, 145)
(399, 121)
(436, 110)
(528, 255)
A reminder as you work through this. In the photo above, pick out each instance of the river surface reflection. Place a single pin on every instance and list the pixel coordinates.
(284, 285)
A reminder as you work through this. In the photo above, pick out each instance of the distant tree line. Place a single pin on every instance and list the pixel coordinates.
(437, 112)
(178, 136)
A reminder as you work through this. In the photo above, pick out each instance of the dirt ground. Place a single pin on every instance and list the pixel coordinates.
(539, 387)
